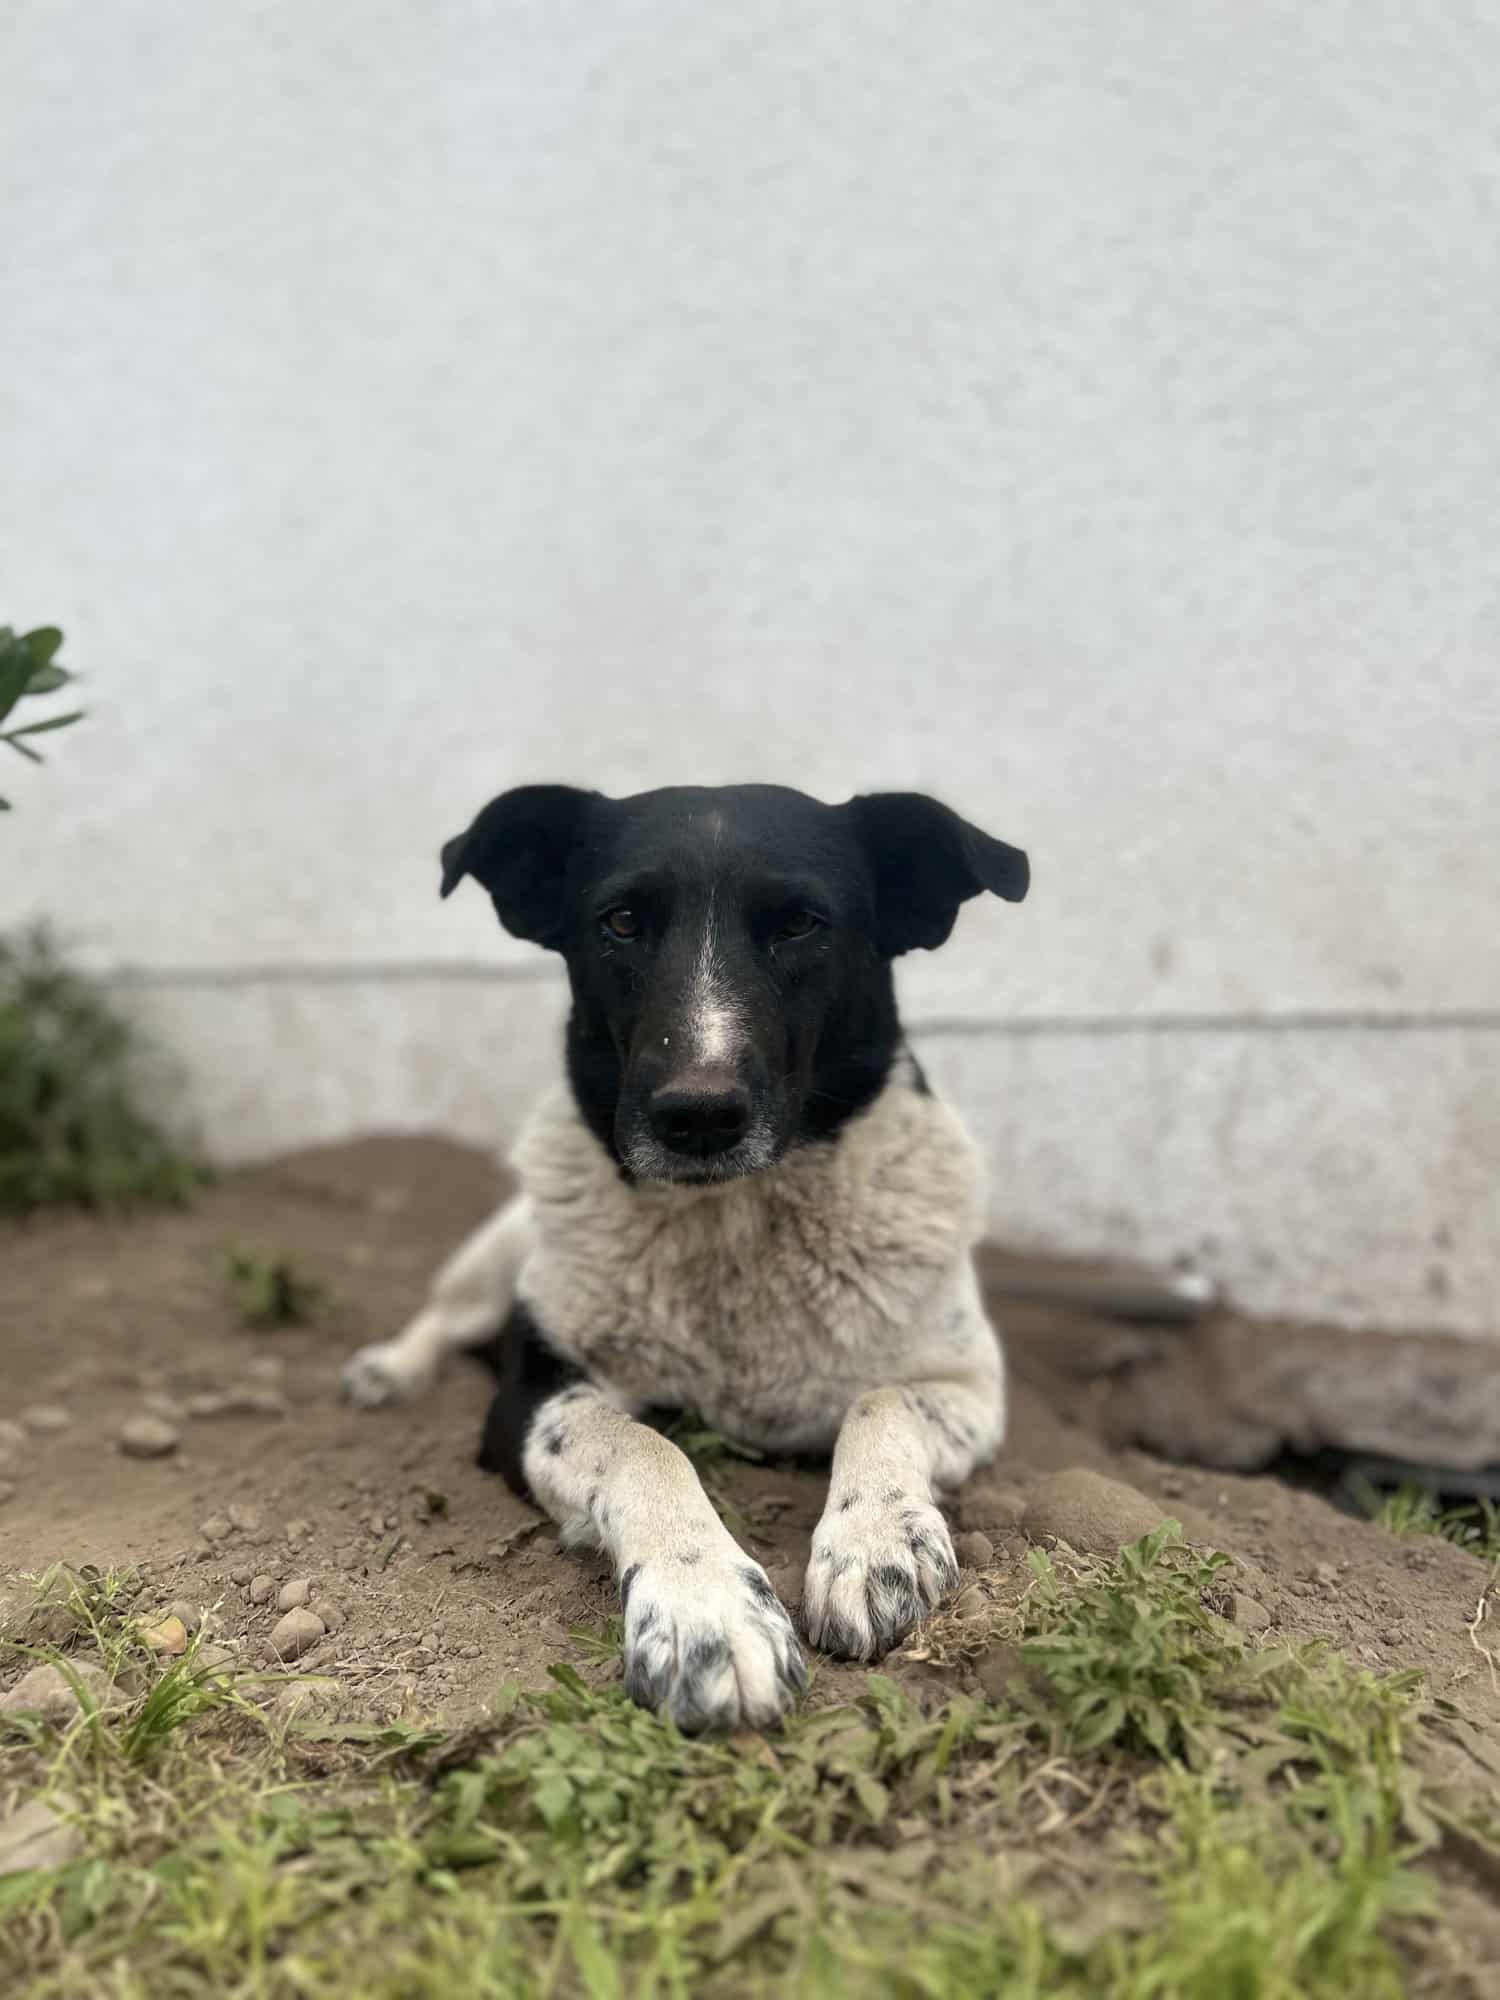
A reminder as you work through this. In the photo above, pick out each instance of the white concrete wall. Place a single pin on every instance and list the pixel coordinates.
(1087, 411)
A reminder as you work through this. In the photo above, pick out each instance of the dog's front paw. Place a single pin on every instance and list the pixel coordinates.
(878, 1566)
(708, 1642)
(381, 1373)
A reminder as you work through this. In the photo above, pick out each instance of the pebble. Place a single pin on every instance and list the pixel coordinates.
(331, 1614)
(1247, 1613)
(240, 1577)
(206, 1403)
(188, 1612)
(1325, 1573)
(295, 1530)
(997, 1669)
(148, 1437)
(470, 1652)
(431, 1642)
(35, 1837)
(970, 1602)
(262, 1589)
(217, 1528)
(786, 1580)
(975, 1549)
(295, 1634)
(1094, 1515)
(295, 1594)
(46, 1417)
(45, 1691)
(246, 1519)
(168, 1635)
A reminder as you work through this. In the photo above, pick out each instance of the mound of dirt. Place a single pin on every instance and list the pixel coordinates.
(222, 1466)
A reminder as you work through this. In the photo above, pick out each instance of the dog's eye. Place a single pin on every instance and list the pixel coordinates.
(623, 924)
(798, 924)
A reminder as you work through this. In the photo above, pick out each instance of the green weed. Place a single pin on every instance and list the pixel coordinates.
(269, 1292)
(72, 1076)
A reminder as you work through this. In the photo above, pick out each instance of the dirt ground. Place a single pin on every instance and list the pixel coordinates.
(435, 1583)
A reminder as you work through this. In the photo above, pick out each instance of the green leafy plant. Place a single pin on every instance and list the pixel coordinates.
(72, 1130)
(1410, 1509)
(269, 1291)
(28, 666)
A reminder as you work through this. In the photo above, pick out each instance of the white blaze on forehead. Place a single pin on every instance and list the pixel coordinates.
(714, 1024)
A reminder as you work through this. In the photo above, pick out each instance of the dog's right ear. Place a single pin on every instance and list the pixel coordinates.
(518, 848)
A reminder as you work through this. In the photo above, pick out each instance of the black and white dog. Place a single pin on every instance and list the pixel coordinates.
(746, 1203)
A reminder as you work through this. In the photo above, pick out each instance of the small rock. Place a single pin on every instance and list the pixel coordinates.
(1394, 1635)
(246, 1519)
(431, 1642)
(295, 1594)
(262, 1589)
(971, 1602)
(998, 1669)
(189, 1613)
(240, 1577)
(216, 1656)
(47, 1692)
(1094, 1515)
(35, 1837)
(1325, 1573)
(1247, 1613)
(261, 1400)
(301, 1698)
(469, 1652)
(46, 1417)
(148, 1437)
(975, 1549)
(331, 1614)
(169, 1636)
(207, 1403)
(295, 1634)
(787, 1580)
(295, 1531)
(217, 1528)
(170, 1408)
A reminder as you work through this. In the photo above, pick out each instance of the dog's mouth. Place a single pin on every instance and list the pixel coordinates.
(646, 1159)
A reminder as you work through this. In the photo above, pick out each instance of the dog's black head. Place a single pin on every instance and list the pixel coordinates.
(729, 951)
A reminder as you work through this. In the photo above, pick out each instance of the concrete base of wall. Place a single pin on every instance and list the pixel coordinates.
(1335, 1173)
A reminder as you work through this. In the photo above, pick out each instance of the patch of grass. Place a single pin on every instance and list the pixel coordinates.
(268, 1291)
(73, 1074)
(1410, 1509)
(1250, 1829)
(1129, 1653)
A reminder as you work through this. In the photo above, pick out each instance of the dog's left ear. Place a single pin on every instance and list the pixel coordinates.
(519, 848)
(926, 862)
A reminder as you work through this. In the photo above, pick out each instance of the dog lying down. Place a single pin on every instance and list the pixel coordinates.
(746, 1202)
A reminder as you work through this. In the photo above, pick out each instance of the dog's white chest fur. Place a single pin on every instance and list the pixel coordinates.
(768, 1303)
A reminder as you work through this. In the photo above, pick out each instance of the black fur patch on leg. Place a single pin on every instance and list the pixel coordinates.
(530, 1375)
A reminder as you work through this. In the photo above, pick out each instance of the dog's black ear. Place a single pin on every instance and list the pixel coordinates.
(518, 848)
(926, 862)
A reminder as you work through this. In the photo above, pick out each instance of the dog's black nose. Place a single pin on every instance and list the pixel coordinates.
(701, 1112)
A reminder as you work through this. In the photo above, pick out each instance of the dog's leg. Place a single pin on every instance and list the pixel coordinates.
(707, 1641)
(882, 1556)
(467, 1304)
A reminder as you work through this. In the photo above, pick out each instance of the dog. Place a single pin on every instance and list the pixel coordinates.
(746, 1202)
